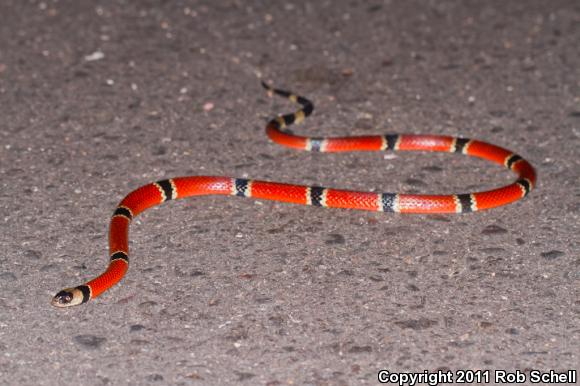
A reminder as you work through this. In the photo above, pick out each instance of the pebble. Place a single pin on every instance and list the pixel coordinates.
(97, 55)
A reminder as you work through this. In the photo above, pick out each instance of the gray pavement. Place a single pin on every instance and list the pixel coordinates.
(98, 98)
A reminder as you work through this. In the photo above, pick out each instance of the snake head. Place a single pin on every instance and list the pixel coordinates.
(68, 297)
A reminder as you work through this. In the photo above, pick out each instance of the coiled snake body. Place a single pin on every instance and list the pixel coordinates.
(158, 192)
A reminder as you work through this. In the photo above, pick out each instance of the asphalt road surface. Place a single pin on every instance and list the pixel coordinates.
(100, 97)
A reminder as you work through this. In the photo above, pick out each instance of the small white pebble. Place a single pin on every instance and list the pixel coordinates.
(183, 90)
(97, 55)
(239, 235)
(208, 106)
(110, 82)
(134, 87)
(471, 99)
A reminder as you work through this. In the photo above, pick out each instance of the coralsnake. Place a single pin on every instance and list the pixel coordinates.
(158, 192)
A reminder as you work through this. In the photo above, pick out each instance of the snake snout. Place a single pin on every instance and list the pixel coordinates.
(66, 298)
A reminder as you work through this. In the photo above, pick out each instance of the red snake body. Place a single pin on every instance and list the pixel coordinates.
(156, 193)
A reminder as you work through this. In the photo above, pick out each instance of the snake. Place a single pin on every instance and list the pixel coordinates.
(156, 193)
